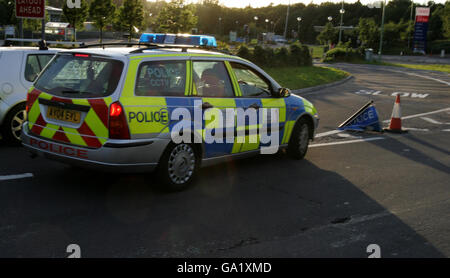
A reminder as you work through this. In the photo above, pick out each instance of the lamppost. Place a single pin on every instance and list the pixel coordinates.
(220, 21)
(382, 29)
(287, 19)
(409, 23)
(256, 27)
(298, 27)
(330, 18)
(341, 11)
(267, 25)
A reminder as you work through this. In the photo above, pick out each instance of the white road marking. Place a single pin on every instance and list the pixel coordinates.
(401, 94)
(430, 120)
(421, 114)
(323, 134)
(423, 76)
(346, 142)
(446, 130)
(15, 177)
(416, 129)
(331, 132)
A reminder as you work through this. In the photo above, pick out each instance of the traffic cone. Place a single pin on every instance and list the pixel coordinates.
(396, 118)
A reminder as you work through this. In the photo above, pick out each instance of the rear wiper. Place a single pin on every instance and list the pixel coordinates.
(75, 92)
(70, 92)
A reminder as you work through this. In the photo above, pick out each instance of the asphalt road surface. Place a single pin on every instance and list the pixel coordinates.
(351, 191)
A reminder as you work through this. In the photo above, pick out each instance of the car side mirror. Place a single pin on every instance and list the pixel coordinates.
(283, 92)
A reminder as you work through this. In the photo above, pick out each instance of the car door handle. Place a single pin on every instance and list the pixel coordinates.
(207, 105)
(254, 106)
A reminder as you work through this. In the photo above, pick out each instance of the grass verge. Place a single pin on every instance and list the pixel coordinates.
(317, 51)
(443, 68)
(435, 67)
(304, 77)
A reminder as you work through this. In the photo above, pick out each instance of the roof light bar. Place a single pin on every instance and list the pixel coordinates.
(179, 39)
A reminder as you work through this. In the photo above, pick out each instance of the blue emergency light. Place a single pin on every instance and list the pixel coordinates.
(180, 39)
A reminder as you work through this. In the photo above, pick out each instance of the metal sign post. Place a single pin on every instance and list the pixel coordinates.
(31, 9)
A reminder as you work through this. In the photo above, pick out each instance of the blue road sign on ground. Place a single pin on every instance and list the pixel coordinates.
(366, 120)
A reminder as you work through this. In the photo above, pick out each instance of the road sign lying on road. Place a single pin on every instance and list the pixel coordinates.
(365, 119)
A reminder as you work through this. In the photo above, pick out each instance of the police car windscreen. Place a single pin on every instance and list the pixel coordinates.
(80, 76)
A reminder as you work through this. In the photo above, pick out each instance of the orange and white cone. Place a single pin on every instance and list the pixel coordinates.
(396, 118)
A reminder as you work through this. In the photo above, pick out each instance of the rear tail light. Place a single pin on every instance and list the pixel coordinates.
(118, 127)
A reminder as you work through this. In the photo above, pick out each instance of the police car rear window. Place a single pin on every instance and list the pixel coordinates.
(161, 78)
(80, 76)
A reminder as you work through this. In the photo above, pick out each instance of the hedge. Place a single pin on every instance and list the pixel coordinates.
(296, 55)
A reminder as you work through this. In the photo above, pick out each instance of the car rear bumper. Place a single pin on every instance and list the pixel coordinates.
(115, 155)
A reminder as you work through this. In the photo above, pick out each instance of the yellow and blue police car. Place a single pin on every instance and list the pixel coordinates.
(119, 108)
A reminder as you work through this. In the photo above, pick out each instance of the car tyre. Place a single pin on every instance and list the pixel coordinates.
(178, 167)
(12, 125)
(299, 141)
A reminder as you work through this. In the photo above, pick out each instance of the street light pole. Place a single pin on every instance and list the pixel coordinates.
(287, 19)
(380, 51)
(342, 11)
(409, 23)
(256, 26)
(329, 41)
(298, 27)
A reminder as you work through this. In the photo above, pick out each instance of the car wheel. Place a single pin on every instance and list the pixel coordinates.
(12, 126)
(178, 166)
(299, 141)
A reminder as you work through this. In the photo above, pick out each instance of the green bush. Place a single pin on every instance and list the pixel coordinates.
(281, 57)
(244, 52)
(341, 54)
(296, 55)
(436, 46)
(300, 55)
(260, 56)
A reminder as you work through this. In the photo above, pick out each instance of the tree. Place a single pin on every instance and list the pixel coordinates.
(328, 34)
(76, 16)
(445, 16)
(102, 12)
(397, 10)
(435, 25)
(368, 32)
(7, 12)
(177, 17)
(208, 14)
(131, 15)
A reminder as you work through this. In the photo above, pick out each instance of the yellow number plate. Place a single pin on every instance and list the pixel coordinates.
(63, 115)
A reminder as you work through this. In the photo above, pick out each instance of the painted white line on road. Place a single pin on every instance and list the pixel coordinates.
(446, 130)
(346, 142)
(430, 120)
(15, 177)
(421, 114)
(416, 129)
(331, 132)
(323, 134)
(423, 76)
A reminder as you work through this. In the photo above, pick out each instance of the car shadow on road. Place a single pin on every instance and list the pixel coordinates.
(413, 154)
(265, 206)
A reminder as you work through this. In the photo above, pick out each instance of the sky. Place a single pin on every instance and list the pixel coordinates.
(262, 3)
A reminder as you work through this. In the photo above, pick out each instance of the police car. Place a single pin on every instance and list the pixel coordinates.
(136, 109)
